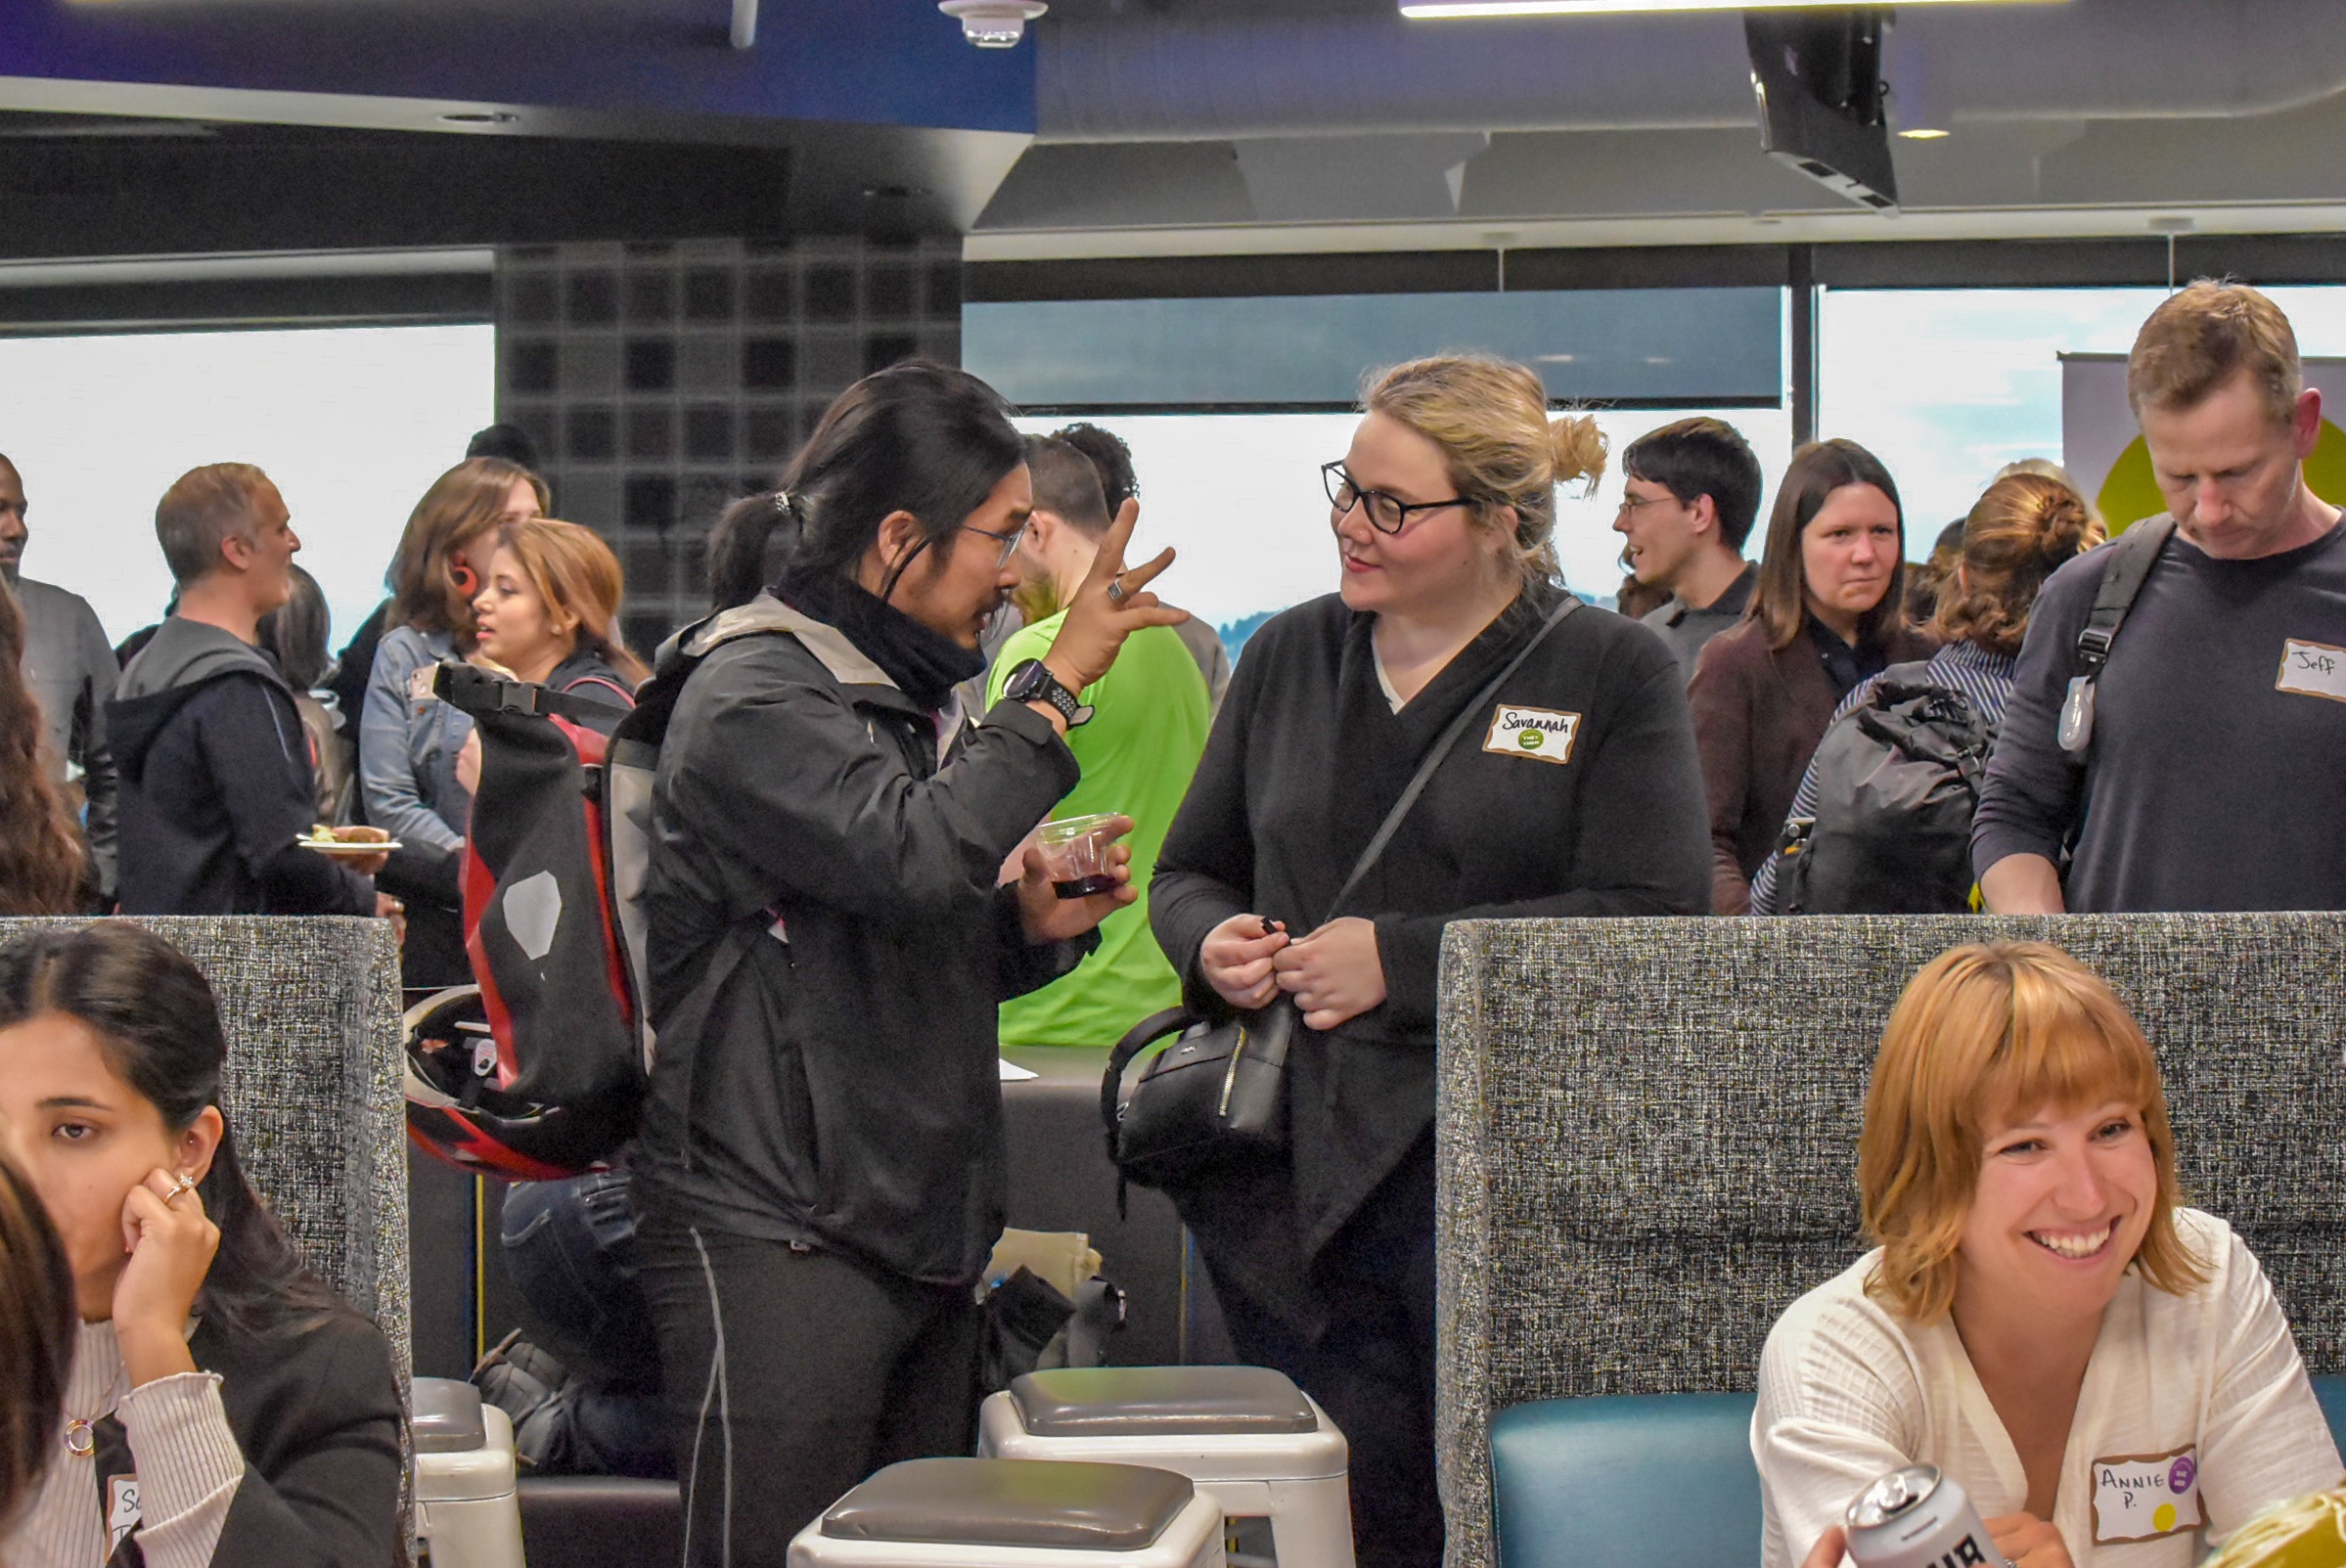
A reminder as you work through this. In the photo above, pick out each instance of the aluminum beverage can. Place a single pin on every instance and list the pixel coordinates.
(1918, 1518)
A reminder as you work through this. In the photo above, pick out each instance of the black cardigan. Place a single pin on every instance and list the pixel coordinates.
(1305, 760)
(316, 1412)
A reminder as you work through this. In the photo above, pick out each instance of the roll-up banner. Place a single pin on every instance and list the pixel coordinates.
(2102, 448)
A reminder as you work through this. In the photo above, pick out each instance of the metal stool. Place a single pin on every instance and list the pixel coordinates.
(1248, 1436)
(1008, 1514)
(468, 1514)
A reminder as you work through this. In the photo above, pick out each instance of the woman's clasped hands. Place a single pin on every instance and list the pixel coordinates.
(1333, 974)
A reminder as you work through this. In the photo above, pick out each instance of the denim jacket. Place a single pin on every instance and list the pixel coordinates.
(409, 748)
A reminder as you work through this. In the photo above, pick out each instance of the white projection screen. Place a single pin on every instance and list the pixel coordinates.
(351, 423)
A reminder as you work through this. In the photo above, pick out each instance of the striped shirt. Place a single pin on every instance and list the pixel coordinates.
(1965, 668)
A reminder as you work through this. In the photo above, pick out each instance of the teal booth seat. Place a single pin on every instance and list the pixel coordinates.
(1628, 1481)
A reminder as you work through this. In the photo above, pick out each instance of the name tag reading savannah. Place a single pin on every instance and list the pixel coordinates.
(2141, 1497)
(1541, 734)
(2312, 669)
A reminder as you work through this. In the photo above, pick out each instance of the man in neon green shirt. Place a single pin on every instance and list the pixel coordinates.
(1148, 728)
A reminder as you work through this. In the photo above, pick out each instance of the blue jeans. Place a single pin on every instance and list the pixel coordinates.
(571, 1251)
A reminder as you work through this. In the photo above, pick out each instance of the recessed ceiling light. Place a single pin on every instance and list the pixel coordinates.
(1578, 8)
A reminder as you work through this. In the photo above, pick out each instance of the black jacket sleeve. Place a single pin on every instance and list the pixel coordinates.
(252, 743)
(319, 1425)
(784, 782)
(97, 673)
(1641, 838)
(1205, 869)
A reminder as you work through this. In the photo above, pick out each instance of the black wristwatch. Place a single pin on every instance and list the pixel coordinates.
(1032, 681)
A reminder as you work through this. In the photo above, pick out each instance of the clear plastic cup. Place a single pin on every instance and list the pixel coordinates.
(1075, 854)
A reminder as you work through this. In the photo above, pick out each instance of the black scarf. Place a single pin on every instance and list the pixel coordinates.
(925, 665)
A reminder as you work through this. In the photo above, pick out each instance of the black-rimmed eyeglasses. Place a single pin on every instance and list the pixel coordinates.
(1386, 514)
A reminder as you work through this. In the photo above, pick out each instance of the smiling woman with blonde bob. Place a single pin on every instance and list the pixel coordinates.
(2103, 1370)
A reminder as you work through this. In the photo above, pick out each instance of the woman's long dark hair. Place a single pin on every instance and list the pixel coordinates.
(154, 1013)
(749, 547)
(918, 437)
(42, 867)
(1780, 599)
(37, 1339)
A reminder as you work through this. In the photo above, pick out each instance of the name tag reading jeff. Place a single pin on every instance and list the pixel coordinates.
(2141, 1497)
(1541, 734)
(2312, 669)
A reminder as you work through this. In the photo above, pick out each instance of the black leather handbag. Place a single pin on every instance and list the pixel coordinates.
(1217, 1095)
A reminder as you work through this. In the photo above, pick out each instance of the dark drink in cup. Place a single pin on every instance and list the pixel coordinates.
(1917, 1518)
(1075, 854)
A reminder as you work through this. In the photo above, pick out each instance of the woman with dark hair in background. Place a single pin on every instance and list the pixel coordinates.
(37, 1342)
(1574, 793)
(44, 861)
(2017, 534)
(409, 747)
(821, 1171)
(1824, 616)
(224, 1404)
(294, 636)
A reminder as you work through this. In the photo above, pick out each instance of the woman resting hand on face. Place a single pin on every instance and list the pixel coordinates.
(2104, 1372)
(223, 1405)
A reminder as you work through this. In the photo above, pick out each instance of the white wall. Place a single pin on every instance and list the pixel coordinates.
(351, 423)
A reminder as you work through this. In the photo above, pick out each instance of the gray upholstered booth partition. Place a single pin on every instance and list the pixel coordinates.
(311, 1009)
(1648, 1134)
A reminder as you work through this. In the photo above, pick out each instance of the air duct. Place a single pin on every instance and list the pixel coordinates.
(1215, 73)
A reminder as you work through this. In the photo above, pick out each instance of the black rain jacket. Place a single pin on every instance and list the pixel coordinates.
(828, 947)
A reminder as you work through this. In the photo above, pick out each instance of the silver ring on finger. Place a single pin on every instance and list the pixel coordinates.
(181, 1185)
(1116, 592)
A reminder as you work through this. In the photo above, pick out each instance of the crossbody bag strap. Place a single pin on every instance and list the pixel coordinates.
(1466, 720)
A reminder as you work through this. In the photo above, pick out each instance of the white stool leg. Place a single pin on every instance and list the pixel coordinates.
(1311, 1523)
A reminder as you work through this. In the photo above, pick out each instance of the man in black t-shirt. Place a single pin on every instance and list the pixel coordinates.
(2213, 768)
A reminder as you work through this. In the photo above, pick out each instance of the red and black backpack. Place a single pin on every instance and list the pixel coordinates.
(538, 1070)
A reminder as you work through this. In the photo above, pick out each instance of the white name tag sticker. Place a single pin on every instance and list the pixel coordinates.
(121, 1510)
(2141, 1497)
(2312, 669)
(1542, 734)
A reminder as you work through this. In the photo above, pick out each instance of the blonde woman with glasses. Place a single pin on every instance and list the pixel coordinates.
(1571, 791)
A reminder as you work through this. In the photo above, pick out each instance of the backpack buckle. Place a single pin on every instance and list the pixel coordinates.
(513, 697)
(2094, 645)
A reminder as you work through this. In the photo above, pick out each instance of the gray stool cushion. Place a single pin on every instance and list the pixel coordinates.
(1012, 1503)
(1137, 1401)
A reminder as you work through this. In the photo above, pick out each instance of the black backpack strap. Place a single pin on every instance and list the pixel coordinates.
(2132, 554)
(479, 693)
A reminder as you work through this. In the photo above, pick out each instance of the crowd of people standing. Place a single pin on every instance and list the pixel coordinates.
(849, 914)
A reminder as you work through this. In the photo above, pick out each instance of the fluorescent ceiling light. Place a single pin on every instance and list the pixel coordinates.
(1580, 8)
(1923, 133)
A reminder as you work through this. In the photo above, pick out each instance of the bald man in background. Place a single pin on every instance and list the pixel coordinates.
(72, 670)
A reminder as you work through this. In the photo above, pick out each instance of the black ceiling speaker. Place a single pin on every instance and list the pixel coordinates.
(1818, 75)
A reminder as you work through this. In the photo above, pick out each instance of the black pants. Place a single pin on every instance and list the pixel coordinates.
(793, 1376)
(1373, 1367)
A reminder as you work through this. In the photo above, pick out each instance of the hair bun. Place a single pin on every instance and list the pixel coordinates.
(1578, 446)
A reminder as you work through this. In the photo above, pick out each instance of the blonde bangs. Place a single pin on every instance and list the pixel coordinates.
(1984, 1035)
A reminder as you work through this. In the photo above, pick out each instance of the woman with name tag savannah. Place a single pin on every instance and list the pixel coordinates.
(1571, 790)
(2104, 1371)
